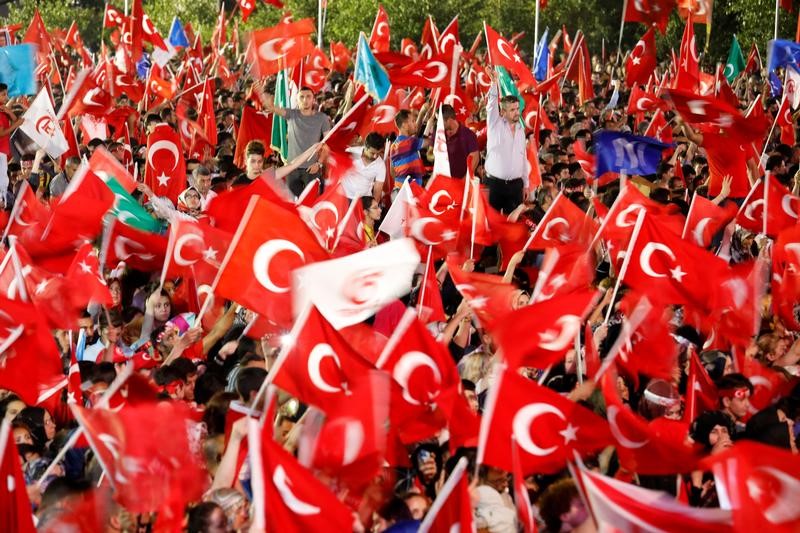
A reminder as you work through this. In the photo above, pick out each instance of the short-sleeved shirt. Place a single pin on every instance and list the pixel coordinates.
(459, 146)
(303, 131)
(359, 180)
(405, 159)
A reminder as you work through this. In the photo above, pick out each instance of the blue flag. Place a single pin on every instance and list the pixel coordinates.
(143, 66)
(542, 57)
(775, 85)
(624, 152)
(177, 37)
(17, 66)
(781, 53)
(369, 72)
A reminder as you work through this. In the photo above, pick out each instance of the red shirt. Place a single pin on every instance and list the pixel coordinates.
(5, 140)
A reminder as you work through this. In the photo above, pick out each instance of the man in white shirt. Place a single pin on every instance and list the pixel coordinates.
(369, 171)
(506, 159)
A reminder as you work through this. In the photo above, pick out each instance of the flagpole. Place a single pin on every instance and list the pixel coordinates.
(621, 27)
(777, 11)
(424, 283)
(475, 192)
(319, 24)
(541, 222)
(536, 33)
(635, 235)
(688, 215)
(765, 213)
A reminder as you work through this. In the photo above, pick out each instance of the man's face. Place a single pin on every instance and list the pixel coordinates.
(497, 479)
(718, 435)
(511, 112)
(70, 169)
(739, 405)
(255, 164)
(305, 100)
(472, 400)
(450, 127)
(203, 183)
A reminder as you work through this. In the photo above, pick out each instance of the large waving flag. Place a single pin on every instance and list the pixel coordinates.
(17, 67)
(782, 53)
(177, 35)
(542, 57)
(623, 152)
(369, 72)
(735, 63)
(40, 124)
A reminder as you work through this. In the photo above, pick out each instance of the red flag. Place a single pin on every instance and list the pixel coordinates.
(319, 364)
(380, 118)
(145, 451)
(488, 295)
(380, 34)
(85, 273)
(138, 249)
(547, 427)
(620, 506)
(269, 243)
(641, 101)
(430, 73)
(281, 46)
(31, 365)
(650, 12)
(254, 125)
(165, 172)
(430, 296)
(502, 53)
(17, 515)
(760, 482)
(429, 41)
(288, 497)
(563, 223)
(785, 123)
(642, 61)
(195, 248)
(27, 211)
(449, 38)
(340, 56)
(706, 219)
(701, 393)
(112, 17)
(551, 327)
(225, 209)
(452, 510)
(724, 162)
(327, 216)
(135, 25)
(753, 60)
(339, 137)
(688, 68)
(521, 499)
(700, 10)
(773, 199)
(37, 34)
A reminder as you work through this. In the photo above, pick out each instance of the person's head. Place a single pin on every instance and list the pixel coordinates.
(192, 199)
(235, 506)
(417, 504)
(207, 517)
(40, 422)
(3, 94)
(776, 164)
(660, 398)
(509, 108)
(372, 209)
(71, 166)
(170, 381)
(21, 433)
(254, 159)
(734, 395)
(772, 426)
(115, 288)
(167, 116)
(451, 123)
(10, 407)
(712, 429)
(202, 179)
(373, 146)
(305, 99)
(470, 394)
(248, 382)
(561, 507)
(188, 372)
(162, 305)
(405, 122)
(494, 477)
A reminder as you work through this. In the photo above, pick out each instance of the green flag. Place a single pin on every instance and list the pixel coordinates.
(508, 87)
(128, 211)
(279, 124)
(735, 62)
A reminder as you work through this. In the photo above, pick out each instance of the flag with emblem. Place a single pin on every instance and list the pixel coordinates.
(40, 124)
(735, 63)
(165, 172)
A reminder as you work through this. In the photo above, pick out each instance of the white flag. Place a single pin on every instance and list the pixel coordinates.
(396, 216)
(350, 289)
(441, 161)
(41, 125)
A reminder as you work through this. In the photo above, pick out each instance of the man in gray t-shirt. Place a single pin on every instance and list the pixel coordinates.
(306, 126)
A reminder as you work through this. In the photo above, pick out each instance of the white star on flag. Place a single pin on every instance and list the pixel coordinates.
(163, 180)
(569, 433)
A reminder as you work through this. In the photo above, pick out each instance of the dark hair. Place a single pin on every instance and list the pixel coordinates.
(703, 425)
(104, 372)
(3, 87)
(151, 118)
(374, 140)
(33, 418)
(734, 381)
(773, 161)
(508, 99)
(184, 366)
(200, 516)
(555, 501)
(401, 117)
(448, 112)
(249, 381)
(255, 148)
(467, 385)
(6, 401)
(366, 202)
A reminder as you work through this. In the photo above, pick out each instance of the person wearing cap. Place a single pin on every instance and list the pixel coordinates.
(734, 400)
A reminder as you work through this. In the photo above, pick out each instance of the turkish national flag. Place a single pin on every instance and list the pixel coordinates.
(195, 247)
(773, 199)
(650, 12)
(564, 223)
(502, 53)
(165, 172)
(620, 506)
(288, 497)
(253, 126)
(488, 295)
(17, 515)
(281, 46)
(547, 427)
(687, 75)
(138, 249)
(85, 273)
(761, 483)
(671, 270)
(112, 17)
(319, 364)
(705, 219)
(28, 212)
(145, 451)
(380, 35)
(540, 334)
(785, 122)
(701, 393)
(339, 137)
(327, 216)
(270, 242)
(642, 62)
(431, 73)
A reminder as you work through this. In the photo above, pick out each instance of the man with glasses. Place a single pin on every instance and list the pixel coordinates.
(368, 173)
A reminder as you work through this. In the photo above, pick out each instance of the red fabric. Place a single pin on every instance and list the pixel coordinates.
(642, 62)
(138, 249)
(380, 35)
(502, 53)
(17, 513)
(165, 172)
(293, 45)
(781, 208)
(650, 12)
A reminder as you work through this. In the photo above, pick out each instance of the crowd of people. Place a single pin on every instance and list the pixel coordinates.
(150, 336)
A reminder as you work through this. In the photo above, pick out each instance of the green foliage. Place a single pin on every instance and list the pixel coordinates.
(750, 20)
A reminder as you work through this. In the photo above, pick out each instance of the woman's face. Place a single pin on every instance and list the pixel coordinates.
(22, 436)
(192, 200)
(13, 409)
(162, 308)
(116, 293)
(49, 426)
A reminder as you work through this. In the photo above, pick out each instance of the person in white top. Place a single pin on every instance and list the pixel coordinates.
(201, 178)
(506, 161)
(368, 173)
